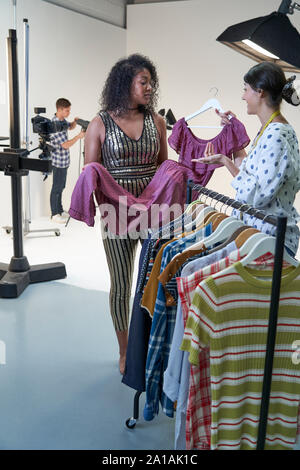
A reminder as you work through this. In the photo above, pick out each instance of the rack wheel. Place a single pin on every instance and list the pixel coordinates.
(130, 423)
(57, 234)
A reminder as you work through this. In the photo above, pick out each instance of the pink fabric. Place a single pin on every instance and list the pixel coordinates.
(167, 187)
(233, 137)
(124, 212)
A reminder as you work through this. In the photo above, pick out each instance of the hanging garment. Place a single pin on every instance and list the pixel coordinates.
(237, 338)
(138, 337)
(154, 270)
(150, 292)
(161, 335)
(166, 188)
(169, 273)
(177, 375)
(121, 210)
(158, 238)
(198, 405)
(269, 180)
(140, 323)
(233, 137)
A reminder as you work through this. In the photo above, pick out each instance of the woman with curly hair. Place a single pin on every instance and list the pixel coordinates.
(129, 139)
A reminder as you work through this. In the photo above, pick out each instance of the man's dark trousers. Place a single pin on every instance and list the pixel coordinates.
(59, 182)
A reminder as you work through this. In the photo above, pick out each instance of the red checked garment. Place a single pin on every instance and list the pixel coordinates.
(198, 415)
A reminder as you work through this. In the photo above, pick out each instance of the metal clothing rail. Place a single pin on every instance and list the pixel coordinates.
(280, 223)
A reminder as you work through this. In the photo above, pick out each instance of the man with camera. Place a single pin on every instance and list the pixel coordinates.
(60, 155)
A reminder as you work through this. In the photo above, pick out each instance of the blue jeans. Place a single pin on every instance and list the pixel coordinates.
(58, 185)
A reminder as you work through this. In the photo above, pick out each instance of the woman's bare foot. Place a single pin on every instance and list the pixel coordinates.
(122, 362)
(122, 340)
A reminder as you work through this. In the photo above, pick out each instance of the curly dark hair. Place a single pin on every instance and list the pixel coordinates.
(116, 92)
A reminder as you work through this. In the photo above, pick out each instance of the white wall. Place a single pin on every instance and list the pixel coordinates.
(180, 37)
(70, 56)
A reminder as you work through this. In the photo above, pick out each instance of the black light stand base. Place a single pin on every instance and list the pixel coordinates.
(13, 283)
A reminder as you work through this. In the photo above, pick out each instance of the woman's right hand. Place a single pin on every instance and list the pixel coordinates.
(225, 116)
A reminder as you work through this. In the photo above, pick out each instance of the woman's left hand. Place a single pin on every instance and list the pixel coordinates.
(217, 158)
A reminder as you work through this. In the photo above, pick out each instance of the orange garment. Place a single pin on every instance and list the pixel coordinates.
(150, 291)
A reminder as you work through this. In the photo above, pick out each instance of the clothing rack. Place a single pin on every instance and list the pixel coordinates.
(280, 223)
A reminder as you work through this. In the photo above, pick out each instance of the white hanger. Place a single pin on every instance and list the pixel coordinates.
(209, 104)
(264, 246)
(193, 204)
(212, 103)
(248, 245)
(180, 218)
(223, 231)
(199, 218)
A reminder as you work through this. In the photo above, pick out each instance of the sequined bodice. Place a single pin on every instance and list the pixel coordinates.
(125, 157)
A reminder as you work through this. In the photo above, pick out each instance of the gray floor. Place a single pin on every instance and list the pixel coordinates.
(60, 387)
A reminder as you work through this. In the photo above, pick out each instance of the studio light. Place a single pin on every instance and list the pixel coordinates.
(272, 38)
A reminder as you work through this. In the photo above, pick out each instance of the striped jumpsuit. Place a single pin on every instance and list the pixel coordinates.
(132, 163)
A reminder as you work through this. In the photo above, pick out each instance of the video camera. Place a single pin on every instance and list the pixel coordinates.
(45, 127)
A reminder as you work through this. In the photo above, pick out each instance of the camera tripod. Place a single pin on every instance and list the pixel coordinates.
(14, 162)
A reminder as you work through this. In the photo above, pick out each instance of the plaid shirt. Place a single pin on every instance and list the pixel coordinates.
(161, 336)
(60, 156)
(198, 416)
(177, 375)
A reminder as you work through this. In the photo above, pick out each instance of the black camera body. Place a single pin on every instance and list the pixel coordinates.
(45, 127)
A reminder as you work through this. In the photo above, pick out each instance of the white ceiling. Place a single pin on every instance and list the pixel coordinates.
(110, 11)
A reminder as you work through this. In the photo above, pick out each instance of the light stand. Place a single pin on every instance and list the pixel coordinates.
(27, 204)
(81, 154)
(18, 274)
